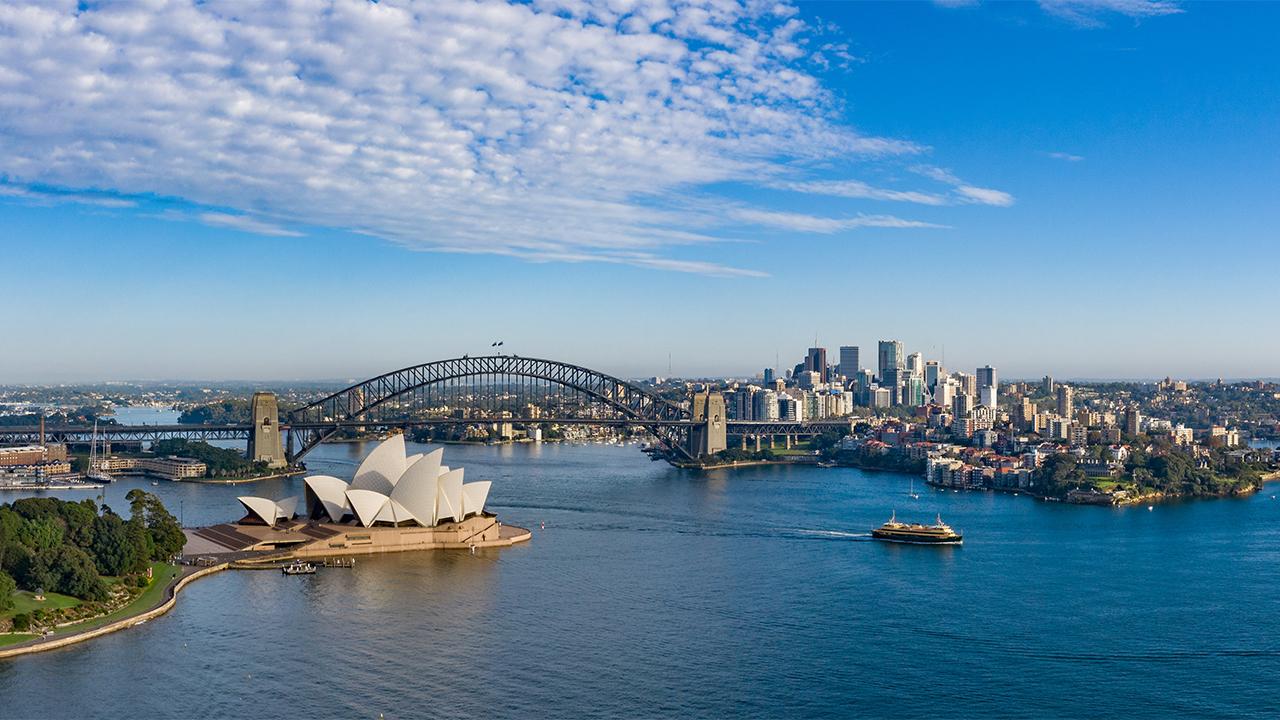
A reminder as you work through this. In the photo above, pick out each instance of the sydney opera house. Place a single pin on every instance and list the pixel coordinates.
(393, 502)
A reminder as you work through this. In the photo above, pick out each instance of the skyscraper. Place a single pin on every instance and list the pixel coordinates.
(816, 361)
(849, 361)
(1064, 401)
(915, 364)
(890, 357)
(986, 377)
(987, 392)
(932, 371)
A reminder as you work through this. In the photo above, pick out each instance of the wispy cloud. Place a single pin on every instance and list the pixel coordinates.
(1065, 156)
(1091, 13)
(815, 224)
(554, 130)
(965, 192)
(245, 223)
(861, 190)
(47, 197)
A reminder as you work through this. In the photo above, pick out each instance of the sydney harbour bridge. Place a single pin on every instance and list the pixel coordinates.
(470, 391)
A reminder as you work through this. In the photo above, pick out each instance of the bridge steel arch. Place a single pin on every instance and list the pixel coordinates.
(319, 420)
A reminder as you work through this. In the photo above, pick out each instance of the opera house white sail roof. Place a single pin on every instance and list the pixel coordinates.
(388, 488)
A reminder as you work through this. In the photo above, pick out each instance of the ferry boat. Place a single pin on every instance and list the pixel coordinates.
(939, 533)
(299, 568)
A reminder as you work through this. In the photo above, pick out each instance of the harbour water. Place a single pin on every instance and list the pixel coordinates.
(654, 592)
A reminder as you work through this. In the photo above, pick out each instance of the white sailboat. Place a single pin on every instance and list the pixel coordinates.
(96, 473)
(912, 492)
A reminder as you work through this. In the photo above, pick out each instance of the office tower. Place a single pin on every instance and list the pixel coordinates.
(968, 384)
(913, 391)
(849, 361)
(816, 361)
(892, 381)
(962, 405)
(768, 376)
(1064, 401)
(1047, 385)
(932, 371)
(986, 381)
(986, 377)
(915, 364)
(890, 358)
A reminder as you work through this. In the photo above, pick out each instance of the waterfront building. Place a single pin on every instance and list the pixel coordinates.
(389, 488)
(889, 359)
(849, 361)
(1064, 400)
(789, 409)
(765, 405)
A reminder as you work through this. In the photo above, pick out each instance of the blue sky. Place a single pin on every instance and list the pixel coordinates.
(1084, 189)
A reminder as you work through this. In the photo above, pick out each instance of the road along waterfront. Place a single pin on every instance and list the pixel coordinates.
(757, 591)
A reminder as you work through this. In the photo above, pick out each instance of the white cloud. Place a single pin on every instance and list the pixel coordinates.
(812, 223)
(44, 197)
(1089, 13)
(1065, 156)
(861, 190)
(963, 191)
(245, 223)
(552, 130)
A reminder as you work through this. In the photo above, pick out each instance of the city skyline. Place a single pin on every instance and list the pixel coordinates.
(1022, 185)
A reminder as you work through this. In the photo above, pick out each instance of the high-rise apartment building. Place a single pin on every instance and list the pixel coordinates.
(986, 377)
(1047, 384)
(1064, 401)
(1132, 421)
(849, 361)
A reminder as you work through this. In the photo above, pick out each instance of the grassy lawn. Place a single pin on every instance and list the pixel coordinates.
(14, 638)
(162, 575)
(25, 602)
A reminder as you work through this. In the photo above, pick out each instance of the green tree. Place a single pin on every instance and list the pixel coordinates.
(75, 574)
(114, 552)
(7, 588)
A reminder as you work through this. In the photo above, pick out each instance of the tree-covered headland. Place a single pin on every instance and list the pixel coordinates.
(82, 551)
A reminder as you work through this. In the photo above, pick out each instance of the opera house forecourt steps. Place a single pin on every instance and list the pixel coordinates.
(395, 502)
